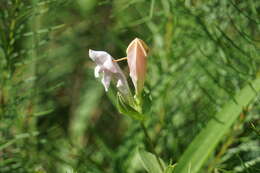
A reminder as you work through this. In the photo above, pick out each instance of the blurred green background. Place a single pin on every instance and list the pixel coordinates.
(56, 117)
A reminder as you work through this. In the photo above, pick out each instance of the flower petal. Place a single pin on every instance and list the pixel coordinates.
(121, 85)
(110, 70)
(106, 80)
(97, 71)
(111, 66)
(99, 57)
(137, 59)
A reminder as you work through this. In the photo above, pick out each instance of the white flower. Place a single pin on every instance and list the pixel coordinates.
(109, 70)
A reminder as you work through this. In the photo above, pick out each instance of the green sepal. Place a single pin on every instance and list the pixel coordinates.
(146, 102)
(126, 109)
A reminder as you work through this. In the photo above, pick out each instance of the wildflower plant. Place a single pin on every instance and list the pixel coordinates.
(108, 69)
(204, 81)
(127, 103)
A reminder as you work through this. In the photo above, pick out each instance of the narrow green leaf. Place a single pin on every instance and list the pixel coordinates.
(201, 147)
(149, 162)
(45, 112)
(18, 137)
(45, 30)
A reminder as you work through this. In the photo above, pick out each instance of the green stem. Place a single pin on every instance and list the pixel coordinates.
(151, 145)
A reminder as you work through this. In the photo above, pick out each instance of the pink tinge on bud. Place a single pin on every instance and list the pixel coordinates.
(137, 52)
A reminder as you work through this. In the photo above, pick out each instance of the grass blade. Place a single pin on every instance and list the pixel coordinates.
(205, 142)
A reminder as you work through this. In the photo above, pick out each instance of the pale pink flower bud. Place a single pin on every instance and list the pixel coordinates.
(109, 70)
(137, 52)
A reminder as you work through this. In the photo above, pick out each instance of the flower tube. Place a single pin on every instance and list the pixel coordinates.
(109, 70)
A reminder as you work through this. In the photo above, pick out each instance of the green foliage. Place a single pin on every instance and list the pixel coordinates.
(201, 111)
(126, 109)
(208, 138)
(150, 162)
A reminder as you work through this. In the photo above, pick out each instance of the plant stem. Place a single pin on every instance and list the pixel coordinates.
(151, 145)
